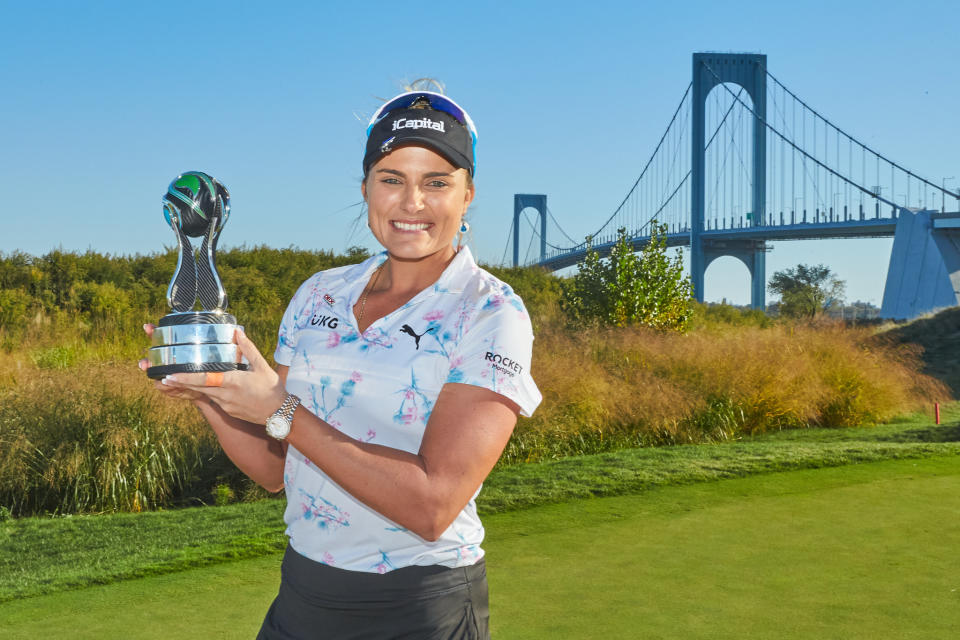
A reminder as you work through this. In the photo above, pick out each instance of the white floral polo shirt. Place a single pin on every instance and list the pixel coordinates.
(380, 386)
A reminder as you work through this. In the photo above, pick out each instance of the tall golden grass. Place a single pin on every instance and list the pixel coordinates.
(94, 436)
(81, 429)
(606, 388)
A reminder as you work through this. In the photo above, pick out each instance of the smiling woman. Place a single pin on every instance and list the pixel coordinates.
(412, 368)
(416, 201)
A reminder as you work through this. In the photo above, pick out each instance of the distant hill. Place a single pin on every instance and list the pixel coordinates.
(939, 335)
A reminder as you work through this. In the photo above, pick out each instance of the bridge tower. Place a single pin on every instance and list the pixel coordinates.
(750, 72)
(520, 202)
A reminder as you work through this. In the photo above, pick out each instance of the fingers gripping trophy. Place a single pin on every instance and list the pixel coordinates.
(196, 205)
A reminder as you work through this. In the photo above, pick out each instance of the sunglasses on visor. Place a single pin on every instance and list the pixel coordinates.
(437, 101)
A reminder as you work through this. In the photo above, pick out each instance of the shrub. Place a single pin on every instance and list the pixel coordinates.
(57, 357)
(627, 288)
(722, 317)
(222, 495)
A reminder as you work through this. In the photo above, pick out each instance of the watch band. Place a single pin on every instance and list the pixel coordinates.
(290, 404)
(286, 409)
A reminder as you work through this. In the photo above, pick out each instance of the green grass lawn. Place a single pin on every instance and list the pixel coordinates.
(45, 555)
(865, 551)
(857, 551)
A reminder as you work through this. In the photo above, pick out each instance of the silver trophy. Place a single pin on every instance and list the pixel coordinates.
(187, 340)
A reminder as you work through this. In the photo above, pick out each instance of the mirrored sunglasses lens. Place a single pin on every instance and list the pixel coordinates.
(447, 107)
(437, 102)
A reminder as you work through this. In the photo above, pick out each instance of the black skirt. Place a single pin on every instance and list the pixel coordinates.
(433, 602)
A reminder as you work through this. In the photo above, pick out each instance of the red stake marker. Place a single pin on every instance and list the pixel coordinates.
(936, 407)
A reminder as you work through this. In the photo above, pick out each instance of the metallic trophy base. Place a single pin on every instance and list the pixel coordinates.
(189, 334)
(194, 342)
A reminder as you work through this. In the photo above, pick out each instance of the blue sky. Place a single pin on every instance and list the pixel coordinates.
(103, 103)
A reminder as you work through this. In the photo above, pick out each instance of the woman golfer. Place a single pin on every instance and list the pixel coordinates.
(399, 382)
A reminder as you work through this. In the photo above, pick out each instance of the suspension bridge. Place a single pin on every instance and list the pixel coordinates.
(745, 161)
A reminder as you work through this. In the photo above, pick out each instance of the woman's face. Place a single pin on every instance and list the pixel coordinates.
(415, 202)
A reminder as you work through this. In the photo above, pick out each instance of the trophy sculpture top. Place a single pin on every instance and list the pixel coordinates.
(196, 205)
(191, 203)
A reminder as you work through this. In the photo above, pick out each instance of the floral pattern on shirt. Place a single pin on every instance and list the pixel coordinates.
(415, 405)
(382, 386)
(326, 515)
(319, 393)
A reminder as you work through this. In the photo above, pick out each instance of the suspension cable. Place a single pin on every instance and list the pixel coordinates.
(876, 153)
(536, 233)
(506, 248)
(686, 176)
(647, 166)
(550, 213)
(782, 137)
(526, 256)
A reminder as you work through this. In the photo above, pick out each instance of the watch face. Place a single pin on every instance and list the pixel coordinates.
(277, 427)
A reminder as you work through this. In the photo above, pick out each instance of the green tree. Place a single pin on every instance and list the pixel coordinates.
(627, 288)
(15, 307)
(806, 291)
(61, 271)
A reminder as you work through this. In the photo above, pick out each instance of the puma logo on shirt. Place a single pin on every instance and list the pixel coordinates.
(407, 329)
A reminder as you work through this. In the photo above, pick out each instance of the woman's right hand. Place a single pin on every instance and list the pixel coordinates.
(170, 392)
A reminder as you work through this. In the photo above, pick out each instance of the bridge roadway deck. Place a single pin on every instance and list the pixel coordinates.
(869, 228)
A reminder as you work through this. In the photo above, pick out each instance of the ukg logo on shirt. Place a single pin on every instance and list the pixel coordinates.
(324, 321)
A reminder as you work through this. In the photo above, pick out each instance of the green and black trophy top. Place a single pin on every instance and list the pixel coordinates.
(189, 340)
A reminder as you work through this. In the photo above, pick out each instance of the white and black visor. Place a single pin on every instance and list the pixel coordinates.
(445, 128)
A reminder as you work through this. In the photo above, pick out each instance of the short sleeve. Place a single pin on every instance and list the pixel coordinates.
(495, 352)
(289, 325)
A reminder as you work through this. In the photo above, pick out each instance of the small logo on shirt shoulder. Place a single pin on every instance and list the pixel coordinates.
(503, 363)
(407, 329)
(328, 299)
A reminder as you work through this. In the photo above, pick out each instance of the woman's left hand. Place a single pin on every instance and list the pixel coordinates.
(252, 395)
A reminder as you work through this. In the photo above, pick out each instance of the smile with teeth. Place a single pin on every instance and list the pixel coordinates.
(410, 226)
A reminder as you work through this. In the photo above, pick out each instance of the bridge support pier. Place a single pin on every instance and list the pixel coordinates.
(752, 253)
(537, 201)
(924, 272)
(750, 72)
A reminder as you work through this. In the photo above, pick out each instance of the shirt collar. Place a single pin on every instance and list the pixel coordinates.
(453, 280)
(348, 287)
